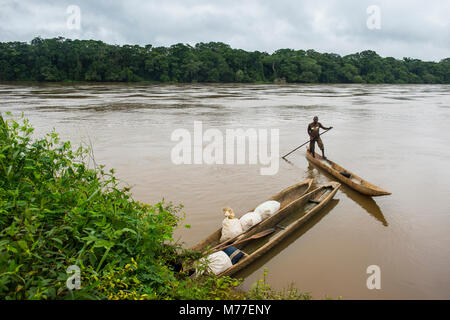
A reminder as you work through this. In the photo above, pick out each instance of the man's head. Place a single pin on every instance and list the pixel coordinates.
(316, 118)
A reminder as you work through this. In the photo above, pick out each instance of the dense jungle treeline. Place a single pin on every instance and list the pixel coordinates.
(61, 59)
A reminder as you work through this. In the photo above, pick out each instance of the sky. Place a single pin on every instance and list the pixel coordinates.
(396, 28)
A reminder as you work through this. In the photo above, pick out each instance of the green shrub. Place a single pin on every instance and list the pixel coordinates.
(261, 290)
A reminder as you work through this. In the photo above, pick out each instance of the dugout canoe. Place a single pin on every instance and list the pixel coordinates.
(294, 215)
(285, 197)
(355, 182)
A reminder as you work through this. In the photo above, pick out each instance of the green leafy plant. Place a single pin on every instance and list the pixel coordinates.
(261, 290)
(55, 211)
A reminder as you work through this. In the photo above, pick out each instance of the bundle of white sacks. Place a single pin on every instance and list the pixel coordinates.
(231, 226)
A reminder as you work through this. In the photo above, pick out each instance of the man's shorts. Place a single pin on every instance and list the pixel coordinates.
(319, 143)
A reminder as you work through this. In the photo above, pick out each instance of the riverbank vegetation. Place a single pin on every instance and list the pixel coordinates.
(62, 59)
(56, 211)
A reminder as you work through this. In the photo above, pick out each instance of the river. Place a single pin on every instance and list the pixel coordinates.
(395, 136)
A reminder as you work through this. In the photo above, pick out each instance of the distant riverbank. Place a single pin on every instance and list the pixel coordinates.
(61, 59)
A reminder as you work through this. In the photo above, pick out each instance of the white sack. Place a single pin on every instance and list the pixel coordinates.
(230, 229)
(248, 220)
(268, 208)
(216, 262)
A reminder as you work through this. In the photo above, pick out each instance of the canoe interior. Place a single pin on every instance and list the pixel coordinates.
(285, 197)
(295, 215)
(354, 181)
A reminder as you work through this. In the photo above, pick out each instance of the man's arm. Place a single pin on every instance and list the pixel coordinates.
(324, 127)
(309, 130)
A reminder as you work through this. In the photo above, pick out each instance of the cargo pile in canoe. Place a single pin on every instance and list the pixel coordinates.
(285, 197)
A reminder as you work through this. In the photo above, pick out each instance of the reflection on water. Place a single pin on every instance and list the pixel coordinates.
(395, 136)
(365, 202)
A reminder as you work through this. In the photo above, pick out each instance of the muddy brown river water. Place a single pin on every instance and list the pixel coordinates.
(395, 136)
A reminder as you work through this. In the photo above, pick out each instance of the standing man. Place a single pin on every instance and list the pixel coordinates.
(313, 131)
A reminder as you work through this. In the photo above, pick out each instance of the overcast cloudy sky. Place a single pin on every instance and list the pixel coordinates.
(408, 28)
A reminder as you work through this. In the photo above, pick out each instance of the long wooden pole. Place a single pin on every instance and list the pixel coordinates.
(255, 236)
(303, 144)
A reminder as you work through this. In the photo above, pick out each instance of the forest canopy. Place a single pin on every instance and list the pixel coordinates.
(61, 59)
